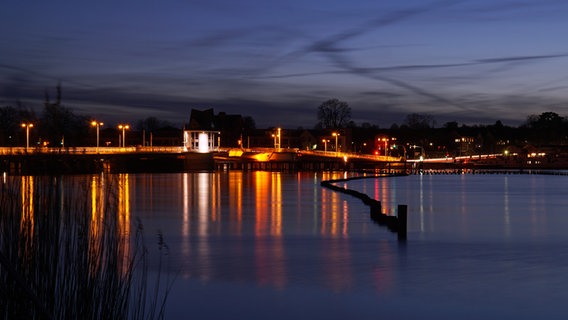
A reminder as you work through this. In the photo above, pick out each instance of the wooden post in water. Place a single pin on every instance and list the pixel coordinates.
(376, 209)
(402, 209)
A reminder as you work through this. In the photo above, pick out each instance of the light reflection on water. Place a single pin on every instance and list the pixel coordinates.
(478, 246)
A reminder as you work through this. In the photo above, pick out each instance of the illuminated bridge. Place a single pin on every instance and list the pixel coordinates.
(44, 160)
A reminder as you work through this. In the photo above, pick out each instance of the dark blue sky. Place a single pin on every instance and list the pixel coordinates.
(471, 61)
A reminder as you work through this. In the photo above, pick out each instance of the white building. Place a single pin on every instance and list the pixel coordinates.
(201, 141)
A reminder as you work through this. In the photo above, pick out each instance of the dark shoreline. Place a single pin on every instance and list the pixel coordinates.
(167, 162)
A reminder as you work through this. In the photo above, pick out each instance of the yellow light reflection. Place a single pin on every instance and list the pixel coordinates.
(268, 199)
(334, 214)
(276, 204)
(97, 221)
(261, 200)
(124, 219)
(236, 197)
(27, 218)
(269, 248)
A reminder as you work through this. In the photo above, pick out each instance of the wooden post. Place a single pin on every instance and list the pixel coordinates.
(376, 209)
(402, 209)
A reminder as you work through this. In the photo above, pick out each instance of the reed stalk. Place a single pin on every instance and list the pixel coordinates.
(66, 254)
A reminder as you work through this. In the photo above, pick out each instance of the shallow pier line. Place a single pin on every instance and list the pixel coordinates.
(395, 224)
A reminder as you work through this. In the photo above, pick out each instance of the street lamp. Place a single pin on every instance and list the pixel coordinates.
(325, 141)
(97, 124)
(27, 126)
(279, 138)
(123, 127)
(385, 140)
(274, 136)
(336, 135)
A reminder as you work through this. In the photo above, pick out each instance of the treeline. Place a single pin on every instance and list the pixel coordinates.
(58, 126)
(546, 129)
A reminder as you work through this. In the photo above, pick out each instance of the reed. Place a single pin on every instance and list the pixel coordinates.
(69, 253)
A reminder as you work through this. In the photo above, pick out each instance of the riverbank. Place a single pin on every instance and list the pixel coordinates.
(40, 163)
(164, 162)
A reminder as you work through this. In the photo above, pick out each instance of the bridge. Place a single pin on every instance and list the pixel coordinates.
(43, 160)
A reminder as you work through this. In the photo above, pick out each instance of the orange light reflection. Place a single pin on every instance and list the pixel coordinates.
(269, 248)
(27, 218)
(123, 220)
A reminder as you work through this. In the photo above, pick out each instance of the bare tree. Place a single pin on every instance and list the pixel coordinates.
(59, 126)
(419, 121)
(333, 114)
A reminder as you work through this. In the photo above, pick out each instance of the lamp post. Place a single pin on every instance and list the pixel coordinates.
(274, 136)
(336, 135)
(385, 140)
(123, 127)
(325, 141)
(27, 126)
(97, 124)
(279, 138)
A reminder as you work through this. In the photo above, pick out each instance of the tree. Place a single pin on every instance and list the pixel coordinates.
(11, 119)
(451, 125)
(333, 114)
(419, 121)
(151, 124)
(547, 128)
(59, 126)
(546, 120)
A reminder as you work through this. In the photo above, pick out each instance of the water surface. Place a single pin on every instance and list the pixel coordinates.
(279, 246)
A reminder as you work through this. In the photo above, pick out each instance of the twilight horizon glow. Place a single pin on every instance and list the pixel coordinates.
(466, 61)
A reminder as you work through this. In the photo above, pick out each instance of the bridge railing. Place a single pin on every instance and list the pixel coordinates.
(86, 150)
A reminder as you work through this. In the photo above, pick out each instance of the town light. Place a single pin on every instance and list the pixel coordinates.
(123, 127)
(336, 135)
(27, 125)
(277, 139)
(385, 140)
(97, 124)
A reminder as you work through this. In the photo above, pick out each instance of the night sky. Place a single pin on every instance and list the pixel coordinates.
(474, 62)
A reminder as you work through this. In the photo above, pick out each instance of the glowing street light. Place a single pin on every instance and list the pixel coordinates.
(336, 135)
(123, 127)
(97, 124)
(276, 137)
(325, 141)
(385, 140)
(27, 126)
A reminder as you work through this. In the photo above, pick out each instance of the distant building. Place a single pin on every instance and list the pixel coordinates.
(201, 134)
(207, 131)
(465, 145)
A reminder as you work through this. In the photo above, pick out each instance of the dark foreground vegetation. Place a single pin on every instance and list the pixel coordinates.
(66, 254)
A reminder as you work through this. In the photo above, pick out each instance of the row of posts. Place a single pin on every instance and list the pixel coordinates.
(396, 223)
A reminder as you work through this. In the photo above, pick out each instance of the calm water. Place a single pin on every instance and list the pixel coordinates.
(261, 244)
(279, 246)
